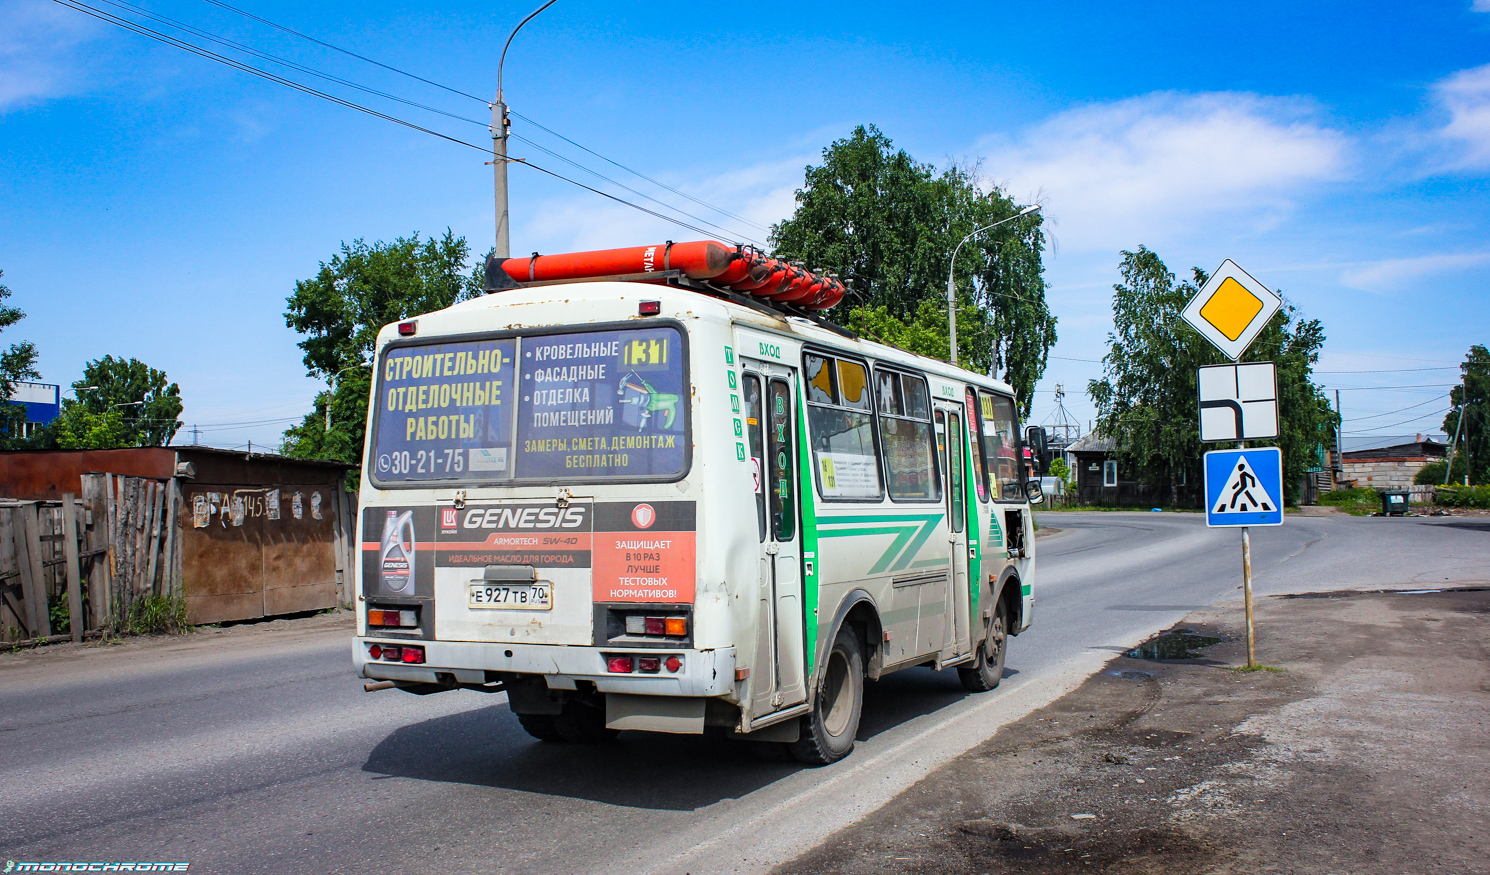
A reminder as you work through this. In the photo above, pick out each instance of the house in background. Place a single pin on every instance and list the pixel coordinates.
(42, 402)
(1391, 464)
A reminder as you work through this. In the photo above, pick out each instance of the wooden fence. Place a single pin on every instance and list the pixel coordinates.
(98, 555)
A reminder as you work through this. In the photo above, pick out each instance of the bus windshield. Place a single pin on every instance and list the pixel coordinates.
(583, 406)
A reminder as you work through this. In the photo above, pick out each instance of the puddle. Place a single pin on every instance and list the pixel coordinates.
(1132, 675)
(1176, 644)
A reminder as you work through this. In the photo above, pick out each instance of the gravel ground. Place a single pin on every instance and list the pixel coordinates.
(1366, 753)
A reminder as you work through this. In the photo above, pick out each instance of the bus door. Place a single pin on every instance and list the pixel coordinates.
(950, 452)
(776, 678)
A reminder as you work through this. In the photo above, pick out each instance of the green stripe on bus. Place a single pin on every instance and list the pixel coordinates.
(807, 489)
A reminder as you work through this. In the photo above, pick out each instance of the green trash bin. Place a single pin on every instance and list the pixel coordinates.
(1394, 502)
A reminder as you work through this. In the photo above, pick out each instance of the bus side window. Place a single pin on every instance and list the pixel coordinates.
(1001, 436)
(975, 430)
(905, 438)
(840, 422)
(783, 484)
(954, 468)
(754, 422)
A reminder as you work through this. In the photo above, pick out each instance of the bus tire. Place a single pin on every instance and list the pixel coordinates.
(540, 726)
(581, 723)
(988, 668)
(828, 731)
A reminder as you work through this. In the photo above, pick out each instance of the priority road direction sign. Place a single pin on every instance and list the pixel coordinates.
(1244, 487)
(1238, 402)
(1231, 308)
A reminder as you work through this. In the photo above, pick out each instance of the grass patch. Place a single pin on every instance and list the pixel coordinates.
(1356, 502)
(1247, 668)
(157, 615)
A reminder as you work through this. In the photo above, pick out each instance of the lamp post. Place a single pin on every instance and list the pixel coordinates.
(951, 286)
(499, 143)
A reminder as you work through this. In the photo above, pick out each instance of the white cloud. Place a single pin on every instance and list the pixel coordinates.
(1399, 274)
(1480, 6)
(37, 39)
(1466, 97)
(1119, 174)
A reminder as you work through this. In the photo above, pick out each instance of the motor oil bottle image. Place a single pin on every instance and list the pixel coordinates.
(396, 556)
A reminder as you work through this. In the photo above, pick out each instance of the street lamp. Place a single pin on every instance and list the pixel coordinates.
(952, 289)
(499, 143)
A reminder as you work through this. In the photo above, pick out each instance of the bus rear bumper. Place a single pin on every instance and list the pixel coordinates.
(703, 673)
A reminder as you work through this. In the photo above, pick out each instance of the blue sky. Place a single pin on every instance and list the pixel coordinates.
(158, 205)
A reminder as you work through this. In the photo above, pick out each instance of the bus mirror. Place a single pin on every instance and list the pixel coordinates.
(1033, 492)
(1034, 438)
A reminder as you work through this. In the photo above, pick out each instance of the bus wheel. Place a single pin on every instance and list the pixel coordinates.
(582, 723)
(828, 731)
(540, 726)
(988, 669)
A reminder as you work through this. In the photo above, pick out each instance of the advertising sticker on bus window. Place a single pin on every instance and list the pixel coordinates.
(602, 404)
(444, 410)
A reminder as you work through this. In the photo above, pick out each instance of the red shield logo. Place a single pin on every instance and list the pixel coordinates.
(448, 517)
(642, 516)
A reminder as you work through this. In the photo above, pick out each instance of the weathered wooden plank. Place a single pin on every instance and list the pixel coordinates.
(158, 517)
(70, 513)
(168, 555)
(36, 594)
(111, 525)
(96, 550)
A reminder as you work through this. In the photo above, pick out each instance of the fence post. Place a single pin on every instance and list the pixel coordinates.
(168, 555)
(158, 516)
(74, 573)
(34, 584)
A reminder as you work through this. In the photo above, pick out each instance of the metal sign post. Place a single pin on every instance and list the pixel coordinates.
(1239, 402)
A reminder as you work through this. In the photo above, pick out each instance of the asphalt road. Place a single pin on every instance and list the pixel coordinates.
(261, 752)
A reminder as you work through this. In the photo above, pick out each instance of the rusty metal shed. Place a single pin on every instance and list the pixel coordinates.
(254, 535)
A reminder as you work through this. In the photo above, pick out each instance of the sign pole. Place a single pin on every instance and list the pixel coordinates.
(1247, 592)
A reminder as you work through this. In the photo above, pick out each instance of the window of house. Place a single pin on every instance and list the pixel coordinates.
(1109, 473)
(841, 429)
(905, 437)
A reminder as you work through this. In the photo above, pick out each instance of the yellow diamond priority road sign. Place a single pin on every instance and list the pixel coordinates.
(1231, 309)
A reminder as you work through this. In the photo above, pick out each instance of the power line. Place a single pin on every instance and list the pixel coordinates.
(1398, 410)
(250, 50)
(1391, 370)
(662, 185)
(726, 231)
(238, 65)
(289, 83)
(530, 121)
(345, 51)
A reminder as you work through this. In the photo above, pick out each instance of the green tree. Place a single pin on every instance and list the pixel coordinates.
(887, 225)
(119, 403)
(1147, 399)
(1472, 395)
(16, 363)
(340, 311)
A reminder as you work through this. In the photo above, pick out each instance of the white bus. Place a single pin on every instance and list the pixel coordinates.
(667, 507)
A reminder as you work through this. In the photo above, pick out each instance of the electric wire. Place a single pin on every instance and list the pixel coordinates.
(247, 68)
(525, 118)
(134, 27)
(346, 51)
(1398, 410)
(733, 235)
(661, 185)
(273, 59)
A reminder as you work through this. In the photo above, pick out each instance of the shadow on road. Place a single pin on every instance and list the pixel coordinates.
(486, 747)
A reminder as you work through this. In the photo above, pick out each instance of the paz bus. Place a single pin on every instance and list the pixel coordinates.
(653, 489)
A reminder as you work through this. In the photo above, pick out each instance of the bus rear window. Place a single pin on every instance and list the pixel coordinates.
(597, 405)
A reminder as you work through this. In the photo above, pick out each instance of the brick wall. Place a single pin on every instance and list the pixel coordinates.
(1382, 473)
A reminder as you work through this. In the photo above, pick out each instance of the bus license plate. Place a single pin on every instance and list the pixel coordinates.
(512, 597)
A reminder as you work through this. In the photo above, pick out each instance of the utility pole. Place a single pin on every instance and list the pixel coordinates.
(1448, 470)
(196, 435)
(499, 129)
(1339, 465)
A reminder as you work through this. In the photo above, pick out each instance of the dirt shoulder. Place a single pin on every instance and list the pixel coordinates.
(1368, 753)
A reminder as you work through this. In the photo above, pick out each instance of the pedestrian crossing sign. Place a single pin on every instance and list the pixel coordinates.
(1244, 487)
